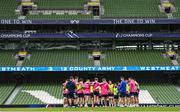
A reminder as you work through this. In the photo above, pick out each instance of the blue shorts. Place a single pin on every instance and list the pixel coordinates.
(110, 94)
(132, 93)
(71, 95)
(65, 95)
(80, 95)
(128, 95)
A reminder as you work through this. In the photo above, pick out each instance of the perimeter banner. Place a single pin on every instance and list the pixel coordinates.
(97, 21)
(81, 68)
(89, 35)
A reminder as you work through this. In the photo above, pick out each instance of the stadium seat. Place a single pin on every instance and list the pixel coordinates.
(6, 89)
(7, 59)
(81, 58)
(162, 92)
(7, 9)
(59, 58)
(176, 3)
(134, 58)
(61, 4)
(132, 9)
(112, 58)
(58, 17)
(112, 9)
(40, 93)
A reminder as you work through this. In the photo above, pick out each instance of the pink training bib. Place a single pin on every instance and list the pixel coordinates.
(87, 88)
(96, 86)
(65, 91)
(132, 86)
(104, 88)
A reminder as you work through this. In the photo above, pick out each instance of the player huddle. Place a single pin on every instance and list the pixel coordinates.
(76, 92)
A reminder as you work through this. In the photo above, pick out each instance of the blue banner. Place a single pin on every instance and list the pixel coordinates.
(81, 68)
(97, 21)
(90, 35)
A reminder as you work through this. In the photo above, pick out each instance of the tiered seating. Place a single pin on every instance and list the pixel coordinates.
(60, 4)
(48, 92)
(162, 92)
(7, 9)
(6, 89)
(113, 9)
(178, 59)
(81, 58)
(59, 57)
(176, 3)
(135, 58)
(132, 9)
(7, 59)
(112, 58)
(57, 17)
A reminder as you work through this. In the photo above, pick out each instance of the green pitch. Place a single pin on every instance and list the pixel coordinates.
(101, 109)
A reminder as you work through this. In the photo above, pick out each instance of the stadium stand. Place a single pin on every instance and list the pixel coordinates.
(133, 58)
(57, 17)
(132, 9)
(47, 93)
(162, 92)
(62, 58)
(59, 10)
(6, 89)
(60, 4)
(115, 9)
(178, 58)
(112, 58)
(6, 58)
(7, 9)
(177, 5)
(112, 9)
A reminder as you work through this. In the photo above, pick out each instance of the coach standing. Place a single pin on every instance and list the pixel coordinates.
(122, 91)
(71, 86)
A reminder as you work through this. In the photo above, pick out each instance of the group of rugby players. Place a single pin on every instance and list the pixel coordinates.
(78, 93)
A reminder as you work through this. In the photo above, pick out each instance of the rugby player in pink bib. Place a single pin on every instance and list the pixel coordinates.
(132, 86)
(104, 91)
(136, 96)
(65, 94)
(96, 87)
(87, 92)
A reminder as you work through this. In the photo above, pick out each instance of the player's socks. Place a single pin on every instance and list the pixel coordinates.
(121, 105)
(86, 105)
(103, 103)
(95, 105)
